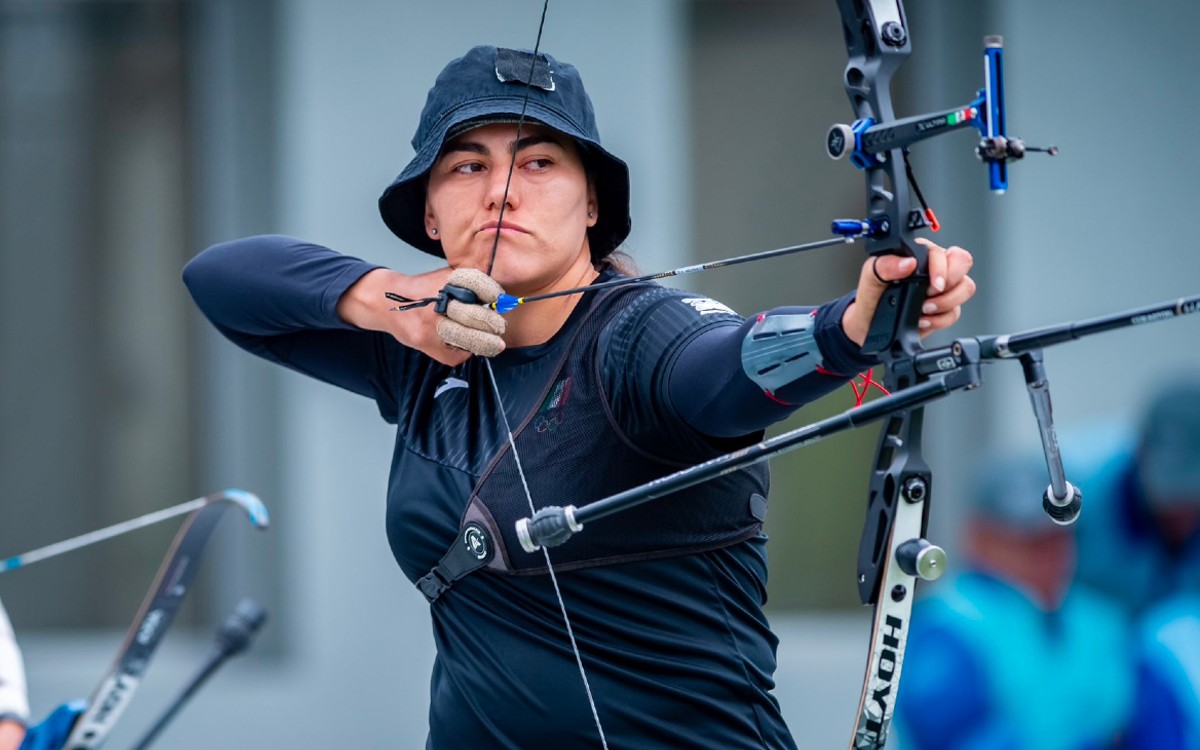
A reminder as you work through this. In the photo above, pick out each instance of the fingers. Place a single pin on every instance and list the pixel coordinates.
(476, 316)
(485, 287)
(473, 340)
(945, 309)
(946, 268)
(473, 328)
(950, 286)
(931, 323)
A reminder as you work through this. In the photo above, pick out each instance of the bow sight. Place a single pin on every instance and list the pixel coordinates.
(868, 142)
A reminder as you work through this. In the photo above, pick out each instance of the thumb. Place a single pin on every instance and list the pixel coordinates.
(882, 269)
(877, 272)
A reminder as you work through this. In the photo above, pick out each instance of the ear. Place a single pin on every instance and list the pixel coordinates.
(431, 223)
(593, 206)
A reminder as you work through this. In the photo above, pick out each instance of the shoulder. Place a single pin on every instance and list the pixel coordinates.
(650, 308)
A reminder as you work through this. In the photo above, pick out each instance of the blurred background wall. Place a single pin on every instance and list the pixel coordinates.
(135, 133)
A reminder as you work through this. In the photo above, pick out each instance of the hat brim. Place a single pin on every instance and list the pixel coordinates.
(402, 204)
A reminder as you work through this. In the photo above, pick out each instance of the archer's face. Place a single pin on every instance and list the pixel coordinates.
(543, 237)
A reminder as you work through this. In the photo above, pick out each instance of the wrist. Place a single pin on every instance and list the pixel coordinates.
(363, 303)
(853, 325)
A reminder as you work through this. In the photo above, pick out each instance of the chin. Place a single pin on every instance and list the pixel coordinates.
(515, 279)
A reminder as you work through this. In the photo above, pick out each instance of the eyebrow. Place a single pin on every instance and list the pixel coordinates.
(475, 147)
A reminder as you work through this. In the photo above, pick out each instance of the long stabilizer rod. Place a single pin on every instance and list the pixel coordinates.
(99, 535)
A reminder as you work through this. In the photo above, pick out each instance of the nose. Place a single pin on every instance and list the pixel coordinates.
(502, 188)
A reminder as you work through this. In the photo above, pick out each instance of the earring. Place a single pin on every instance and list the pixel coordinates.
(433, 231)
(591, 214)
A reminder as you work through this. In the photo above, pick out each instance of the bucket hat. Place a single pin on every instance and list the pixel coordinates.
(489, 85)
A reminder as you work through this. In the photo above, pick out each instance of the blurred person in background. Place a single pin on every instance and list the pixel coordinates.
(14, 703)
(15, 731)
(1167, 713)
(1009, 654)
(1139, 532)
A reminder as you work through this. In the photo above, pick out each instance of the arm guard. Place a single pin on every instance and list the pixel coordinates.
(780, 349)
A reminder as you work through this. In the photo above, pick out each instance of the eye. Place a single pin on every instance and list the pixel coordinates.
(538, 163)
(469, 167)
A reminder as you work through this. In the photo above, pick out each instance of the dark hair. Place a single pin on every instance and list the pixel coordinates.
(620, 261)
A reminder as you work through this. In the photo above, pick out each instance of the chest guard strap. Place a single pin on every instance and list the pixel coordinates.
(473, 549)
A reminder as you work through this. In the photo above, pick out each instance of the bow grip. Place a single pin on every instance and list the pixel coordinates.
(896, 317)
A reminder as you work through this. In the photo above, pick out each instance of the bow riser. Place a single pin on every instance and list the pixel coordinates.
(878, 43)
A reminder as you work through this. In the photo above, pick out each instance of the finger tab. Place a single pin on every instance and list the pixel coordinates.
(484, 286)
(477, 317)
(475, 341)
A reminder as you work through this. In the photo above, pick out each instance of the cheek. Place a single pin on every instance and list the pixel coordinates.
(569, 207)
(440, 204)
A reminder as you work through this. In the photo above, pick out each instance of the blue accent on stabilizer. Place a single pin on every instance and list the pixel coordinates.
(507, 303)
(254, 507)
(12, 563)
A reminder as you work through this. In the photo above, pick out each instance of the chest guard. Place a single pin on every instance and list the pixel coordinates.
(574, 453)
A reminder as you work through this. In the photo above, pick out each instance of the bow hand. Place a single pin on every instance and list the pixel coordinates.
(949, 288)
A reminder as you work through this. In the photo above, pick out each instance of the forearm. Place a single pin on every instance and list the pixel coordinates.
(364, 304)
(270, 285)
(278, 298)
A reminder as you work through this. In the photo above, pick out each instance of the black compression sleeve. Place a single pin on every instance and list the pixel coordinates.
(711, 392)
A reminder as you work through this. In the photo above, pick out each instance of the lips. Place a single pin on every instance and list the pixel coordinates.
(508, 226)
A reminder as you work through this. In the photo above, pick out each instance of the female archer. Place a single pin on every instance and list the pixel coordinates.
(565, 400)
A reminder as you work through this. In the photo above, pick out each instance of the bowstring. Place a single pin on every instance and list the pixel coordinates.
(520, 121)
(512, 442)
(562, 606)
